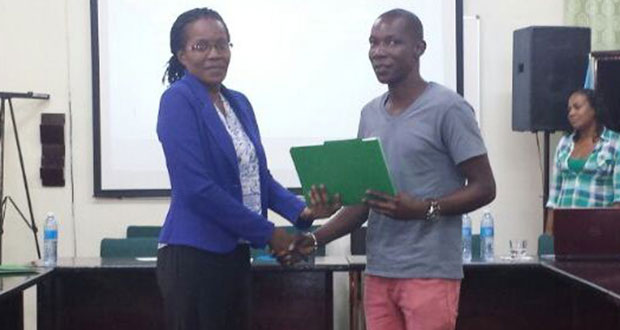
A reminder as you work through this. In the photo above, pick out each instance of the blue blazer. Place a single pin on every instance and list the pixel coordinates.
(206, 208)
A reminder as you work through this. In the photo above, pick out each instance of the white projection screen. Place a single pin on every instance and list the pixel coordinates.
(303, 65)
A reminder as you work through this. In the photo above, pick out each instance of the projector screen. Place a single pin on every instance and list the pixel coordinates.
(303, 65)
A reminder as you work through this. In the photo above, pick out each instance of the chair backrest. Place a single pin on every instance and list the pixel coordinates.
(358, 241)
(545, 244)
(475, 247)
(128, 247)
(143, 231)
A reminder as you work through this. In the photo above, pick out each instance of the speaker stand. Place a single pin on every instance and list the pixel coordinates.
(546, 155)
(5, 200)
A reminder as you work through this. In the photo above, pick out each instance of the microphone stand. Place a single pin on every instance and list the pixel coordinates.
(6, 97)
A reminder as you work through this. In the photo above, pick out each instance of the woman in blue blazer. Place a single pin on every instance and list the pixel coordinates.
(221, 187)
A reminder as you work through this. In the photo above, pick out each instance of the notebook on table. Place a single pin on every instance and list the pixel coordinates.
(586, 233)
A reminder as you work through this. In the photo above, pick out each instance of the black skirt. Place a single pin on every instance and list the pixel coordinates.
(204, 290)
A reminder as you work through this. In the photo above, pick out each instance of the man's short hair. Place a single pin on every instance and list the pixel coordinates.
(413, 22)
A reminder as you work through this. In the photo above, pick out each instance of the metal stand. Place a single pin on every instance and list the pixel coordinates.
(5, 200)
(546, 154)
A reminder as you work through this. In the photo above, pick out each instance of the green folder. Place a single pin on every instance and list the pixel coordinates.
(345, 167)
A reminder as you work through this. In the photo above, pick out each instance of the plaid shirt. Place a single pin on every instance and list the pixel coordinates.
(597, 184)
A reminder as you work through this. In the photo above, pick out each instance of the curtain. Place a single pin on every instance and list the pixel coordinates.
(601, 16)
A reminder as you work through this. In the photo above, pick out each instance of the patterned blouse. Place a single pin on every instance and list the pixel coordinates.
(246, 157)
(597, 184)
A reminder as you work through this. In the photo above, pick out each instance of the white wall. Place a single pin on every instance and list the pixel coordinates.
(46, 48)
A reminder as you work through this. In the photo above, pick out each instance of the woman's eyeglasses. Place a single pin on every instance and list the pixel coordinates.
(205, 46)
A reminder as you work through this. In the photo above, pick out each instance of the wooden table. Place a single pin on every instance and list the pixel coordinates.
(532, 294)
(123, 294)
(12, 288)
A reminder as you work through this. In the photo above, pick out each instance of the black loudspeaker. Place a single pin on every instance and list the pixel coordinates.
(52, 169)
(548, 63)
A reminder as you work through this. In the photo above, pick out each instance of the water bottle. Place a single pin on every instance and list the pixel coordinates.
(466, 232)
(486, 236)
(50, 240)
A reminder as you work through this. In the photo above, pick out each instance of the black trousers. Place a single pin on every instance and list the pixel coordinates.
(204, 290)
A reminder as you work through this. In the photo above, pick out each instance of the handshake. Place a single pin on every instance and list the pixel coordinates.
(290, 249)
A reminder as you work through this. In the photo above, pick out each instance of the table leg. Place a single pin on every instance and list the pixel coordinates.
(355, 300)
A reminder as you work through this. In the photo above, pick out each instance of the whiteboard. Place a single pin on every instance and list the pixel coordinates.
(303, 65)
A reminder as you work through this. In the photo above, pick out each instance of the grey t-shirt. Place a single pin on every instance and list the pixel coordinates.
(423, 146)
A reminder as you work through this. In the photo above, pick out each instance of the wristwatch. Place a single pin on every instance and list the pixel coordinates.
(432, 213)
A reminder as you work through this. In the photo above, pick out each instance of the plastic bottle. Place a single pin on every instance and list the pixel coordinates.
(50, 240)
(466, 234)
(487, 233)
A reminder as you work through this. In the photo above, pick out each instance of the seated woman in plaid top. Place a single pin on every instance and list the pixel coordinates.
(586, 170)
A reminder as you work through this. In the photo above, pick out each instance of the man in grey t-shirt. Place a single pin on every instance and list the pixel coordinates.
(440, 168)
(423, 146)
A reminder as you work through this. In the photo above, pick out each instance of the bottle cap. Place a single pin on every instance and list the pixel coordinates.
(50, 214)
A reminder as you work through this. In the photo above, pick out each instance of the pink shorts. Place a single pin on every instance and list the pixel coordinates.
(410, 304)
